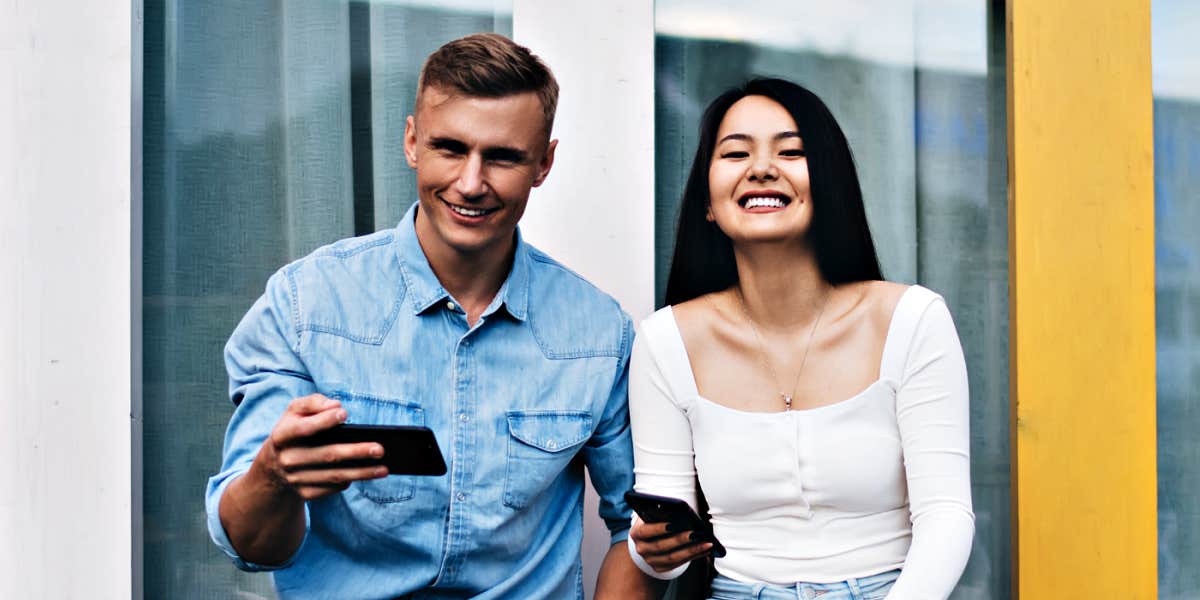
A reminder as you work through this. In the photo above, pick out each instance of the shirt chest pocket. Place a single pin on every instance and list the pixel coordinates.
(540, 445)
(370, 410)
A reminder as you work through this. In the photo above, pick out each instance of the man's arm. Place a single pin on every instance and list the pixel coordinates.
(262, 511)
(256, 504)
(609, 459)
(620, 579)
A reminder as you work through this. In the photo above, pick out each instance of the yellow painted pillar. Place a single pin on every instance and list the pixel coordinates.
(1081, 184)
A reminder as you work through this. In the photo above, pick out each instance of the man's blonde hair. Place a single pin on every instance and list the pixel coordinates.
(489, 65)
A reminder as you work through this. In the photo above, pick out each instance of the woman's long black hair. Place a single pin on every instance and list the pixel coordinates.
(703, 262)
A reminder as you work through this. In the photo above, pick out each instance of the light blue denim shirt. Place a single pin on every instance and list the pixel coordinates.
(519, 404)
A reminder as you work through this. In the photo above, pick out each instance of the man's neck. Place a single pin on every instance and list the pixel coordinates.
(472, 279)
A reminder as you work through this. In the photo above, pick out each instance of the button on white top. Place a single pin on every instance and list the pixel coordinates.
(450, 305)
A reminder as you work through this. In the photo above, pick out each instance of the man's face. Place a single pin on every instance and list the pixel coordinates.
(476, 160)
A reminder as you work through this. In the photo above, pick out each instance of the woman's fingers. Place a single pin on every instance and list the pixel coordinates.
(663, 545)
(681, 556)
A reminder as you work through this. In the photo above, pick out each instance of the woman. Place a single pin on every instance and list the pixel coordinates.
(822, 411)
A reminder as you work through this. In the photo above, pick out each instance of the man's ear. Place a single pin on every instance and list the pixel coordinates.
(410, 141)
(545, 164)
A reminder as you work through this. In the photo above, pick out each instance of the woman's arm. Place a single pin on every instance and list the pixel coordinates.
(933, 414)
(664, 463)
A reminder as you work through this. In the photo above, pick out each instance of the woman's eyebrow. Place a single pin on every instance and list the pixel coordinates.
(746, 138)
(734, 136)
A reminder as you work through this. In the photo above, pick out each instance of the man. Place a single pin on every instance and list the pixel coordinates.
(453, 322)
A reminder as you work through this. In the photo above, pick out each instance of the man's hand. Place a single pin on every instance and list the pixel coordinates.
(665, 550)
(263, 510)
(313, 472)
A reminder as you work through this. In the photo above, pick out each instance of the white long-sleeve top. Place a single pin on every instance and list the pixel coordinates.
(875, 482)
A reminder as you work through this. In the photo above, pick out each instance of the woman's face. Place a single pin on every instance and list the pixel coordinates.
(758, 178)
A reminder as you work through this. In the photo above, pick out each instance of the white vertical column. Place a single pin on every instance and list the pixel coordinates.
(65, 280)
(595, 213)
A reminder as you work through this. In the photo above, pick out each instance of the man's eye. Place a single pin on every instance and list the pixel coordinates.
(735, 154)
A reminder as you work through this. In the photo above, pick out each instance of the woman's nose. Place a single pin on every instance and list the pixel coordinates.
(762, 169)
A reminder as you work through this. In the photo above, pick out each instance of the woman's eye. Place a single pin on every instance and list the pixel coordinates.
(796, 152)
(735, 154)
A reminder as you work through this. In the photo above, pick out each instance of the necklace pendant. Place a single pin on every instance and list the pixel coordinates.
(787, 402)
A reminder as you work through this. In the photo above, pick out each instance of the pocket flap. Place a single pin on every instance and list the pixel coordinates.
(550, 430)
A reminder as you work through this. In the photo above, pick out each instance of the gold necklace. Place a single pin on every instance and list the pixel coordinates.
(762, 350)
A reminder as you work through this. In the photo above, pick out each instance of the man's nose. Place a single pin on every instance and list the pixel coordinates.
(471, 182)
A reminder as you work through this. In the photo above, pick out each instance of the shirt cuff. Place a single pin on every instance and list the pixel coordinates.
(216, 530)
(649, 570)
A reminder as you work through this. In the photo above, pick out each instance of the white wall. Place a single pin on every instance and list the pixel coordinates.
(595, 212)
(65, 278)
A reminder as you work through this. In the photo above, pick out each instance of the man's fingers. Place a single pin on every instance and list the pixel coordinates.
(290, 430)
(298, 458)
(334, 477)
(311, 404)
(312, 492)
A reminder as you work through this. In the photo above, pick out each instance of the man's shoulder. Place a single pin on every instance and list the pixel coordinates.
(571, 316)
(352, 287)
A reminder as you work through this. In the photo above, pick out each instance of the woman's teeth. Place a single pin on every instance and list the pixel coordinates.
(765, 202)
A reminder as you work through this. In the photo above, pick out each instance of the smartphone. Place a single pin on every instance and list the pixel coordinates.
(663, 509)
(407, 450)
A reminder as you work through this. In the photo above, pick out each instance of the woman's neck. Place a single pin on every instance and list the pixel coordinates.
(781, 285)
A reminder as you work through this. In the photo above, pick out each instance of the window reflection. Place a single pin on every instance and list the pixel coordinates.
(1176, 76)
(270, 128)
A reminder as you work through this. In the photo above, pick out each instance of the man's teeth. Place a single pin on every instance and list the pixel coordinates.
(765, 201)
(469, 212)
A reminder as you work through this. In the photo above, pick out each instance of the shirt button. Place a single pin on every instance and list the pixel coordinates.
(463, 417)
(451, 305)
(551, 445)
(461, 497)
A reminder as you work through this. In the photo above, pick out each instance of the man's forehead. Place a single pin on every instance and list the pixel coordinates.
(507, 120)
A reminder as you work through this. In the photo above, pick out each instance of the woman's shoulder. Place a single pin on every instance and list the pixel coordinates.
(702, 314)
(873, 301)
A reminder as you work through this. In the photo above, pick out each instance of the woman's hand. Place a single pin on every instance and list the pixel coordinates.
(663, 549)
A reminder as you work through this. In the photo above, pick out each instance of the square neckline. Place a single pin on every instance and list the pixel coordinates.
(888, 340)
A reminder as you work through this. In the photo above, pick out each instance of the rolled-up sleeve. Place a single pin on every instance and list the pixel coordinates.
(609, 453)
(265, 374)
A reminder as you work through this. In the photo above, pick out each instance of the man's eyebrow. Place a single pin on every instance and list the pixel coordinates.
(505, 153)
(493, 153)
(447, 143)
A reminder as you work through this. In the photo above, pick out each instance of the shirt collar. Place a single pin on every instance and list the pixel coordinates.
(424, 289)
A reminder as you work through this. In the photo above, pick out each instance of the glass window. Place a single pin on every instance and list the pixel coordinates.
(1176, 77)
(919, 87)
(270, 128)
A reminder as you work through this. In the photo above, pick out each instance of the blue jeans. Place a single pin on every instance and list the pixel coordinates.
(874, 587)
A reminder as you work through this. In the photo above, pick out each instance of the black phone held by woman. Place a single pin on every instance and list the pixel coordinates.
(677, 513)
